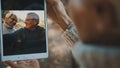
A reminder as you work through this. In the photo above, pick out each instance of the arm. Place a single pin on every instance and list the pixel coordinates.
(57, 13)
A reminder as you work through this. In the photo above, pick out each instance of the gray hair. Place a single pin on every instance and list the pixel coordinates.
(34, 16)
(8, 15)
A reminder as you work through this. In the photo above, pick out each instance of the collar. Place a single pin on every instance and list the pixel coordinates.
(7, 26)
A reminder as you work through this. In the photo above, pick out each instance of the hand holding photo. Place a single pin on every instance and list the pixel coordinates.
(24, 35)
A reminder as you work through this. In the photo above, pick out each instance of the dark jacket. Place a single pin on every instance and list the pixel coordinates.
(27, 41)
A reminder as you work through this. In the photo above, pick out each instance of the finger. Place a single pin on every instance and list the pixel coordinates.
(10, 63)
(34, 61)
(20, 62)
(28, 61)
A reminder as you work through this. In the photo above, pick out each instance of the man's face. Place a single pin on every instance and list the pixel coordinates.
(30, 23)
(11, 21)
(93, 18)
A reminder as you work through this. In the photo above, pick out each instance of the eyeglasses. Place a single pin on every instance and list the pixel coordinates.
(29, 19)
(14, 20)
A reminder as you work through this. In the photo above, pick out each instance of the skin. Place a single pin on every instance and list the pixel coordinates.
(57, 13)
(96, 21)
(23, 64)
(11, 21)
(30, 23)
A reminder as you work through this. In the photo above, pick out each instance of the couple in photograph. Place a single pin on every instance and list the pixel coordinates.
(26, 40)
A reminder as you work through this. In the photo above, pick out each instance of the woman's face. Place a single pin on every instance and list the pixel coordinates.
(11, 21)
(93, 18)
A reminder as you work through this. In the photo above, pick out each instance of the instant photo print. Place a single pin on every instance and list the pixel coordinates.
(23, 30)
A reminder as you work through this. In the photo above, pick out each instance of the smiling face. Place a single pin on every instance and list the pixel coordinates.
(31, 23)
(11, 21)
(93, 18)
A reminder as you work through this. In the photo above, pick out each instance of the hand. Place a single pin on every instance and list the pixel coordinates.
(23, 64)
(57, 13)
(52, 2)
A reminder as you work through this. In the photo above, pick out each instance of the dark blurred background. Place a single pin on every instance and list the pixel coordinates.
(22, 4)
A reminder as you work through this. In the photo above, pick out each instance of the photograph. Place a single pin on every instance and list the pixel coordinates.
(23, 32)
